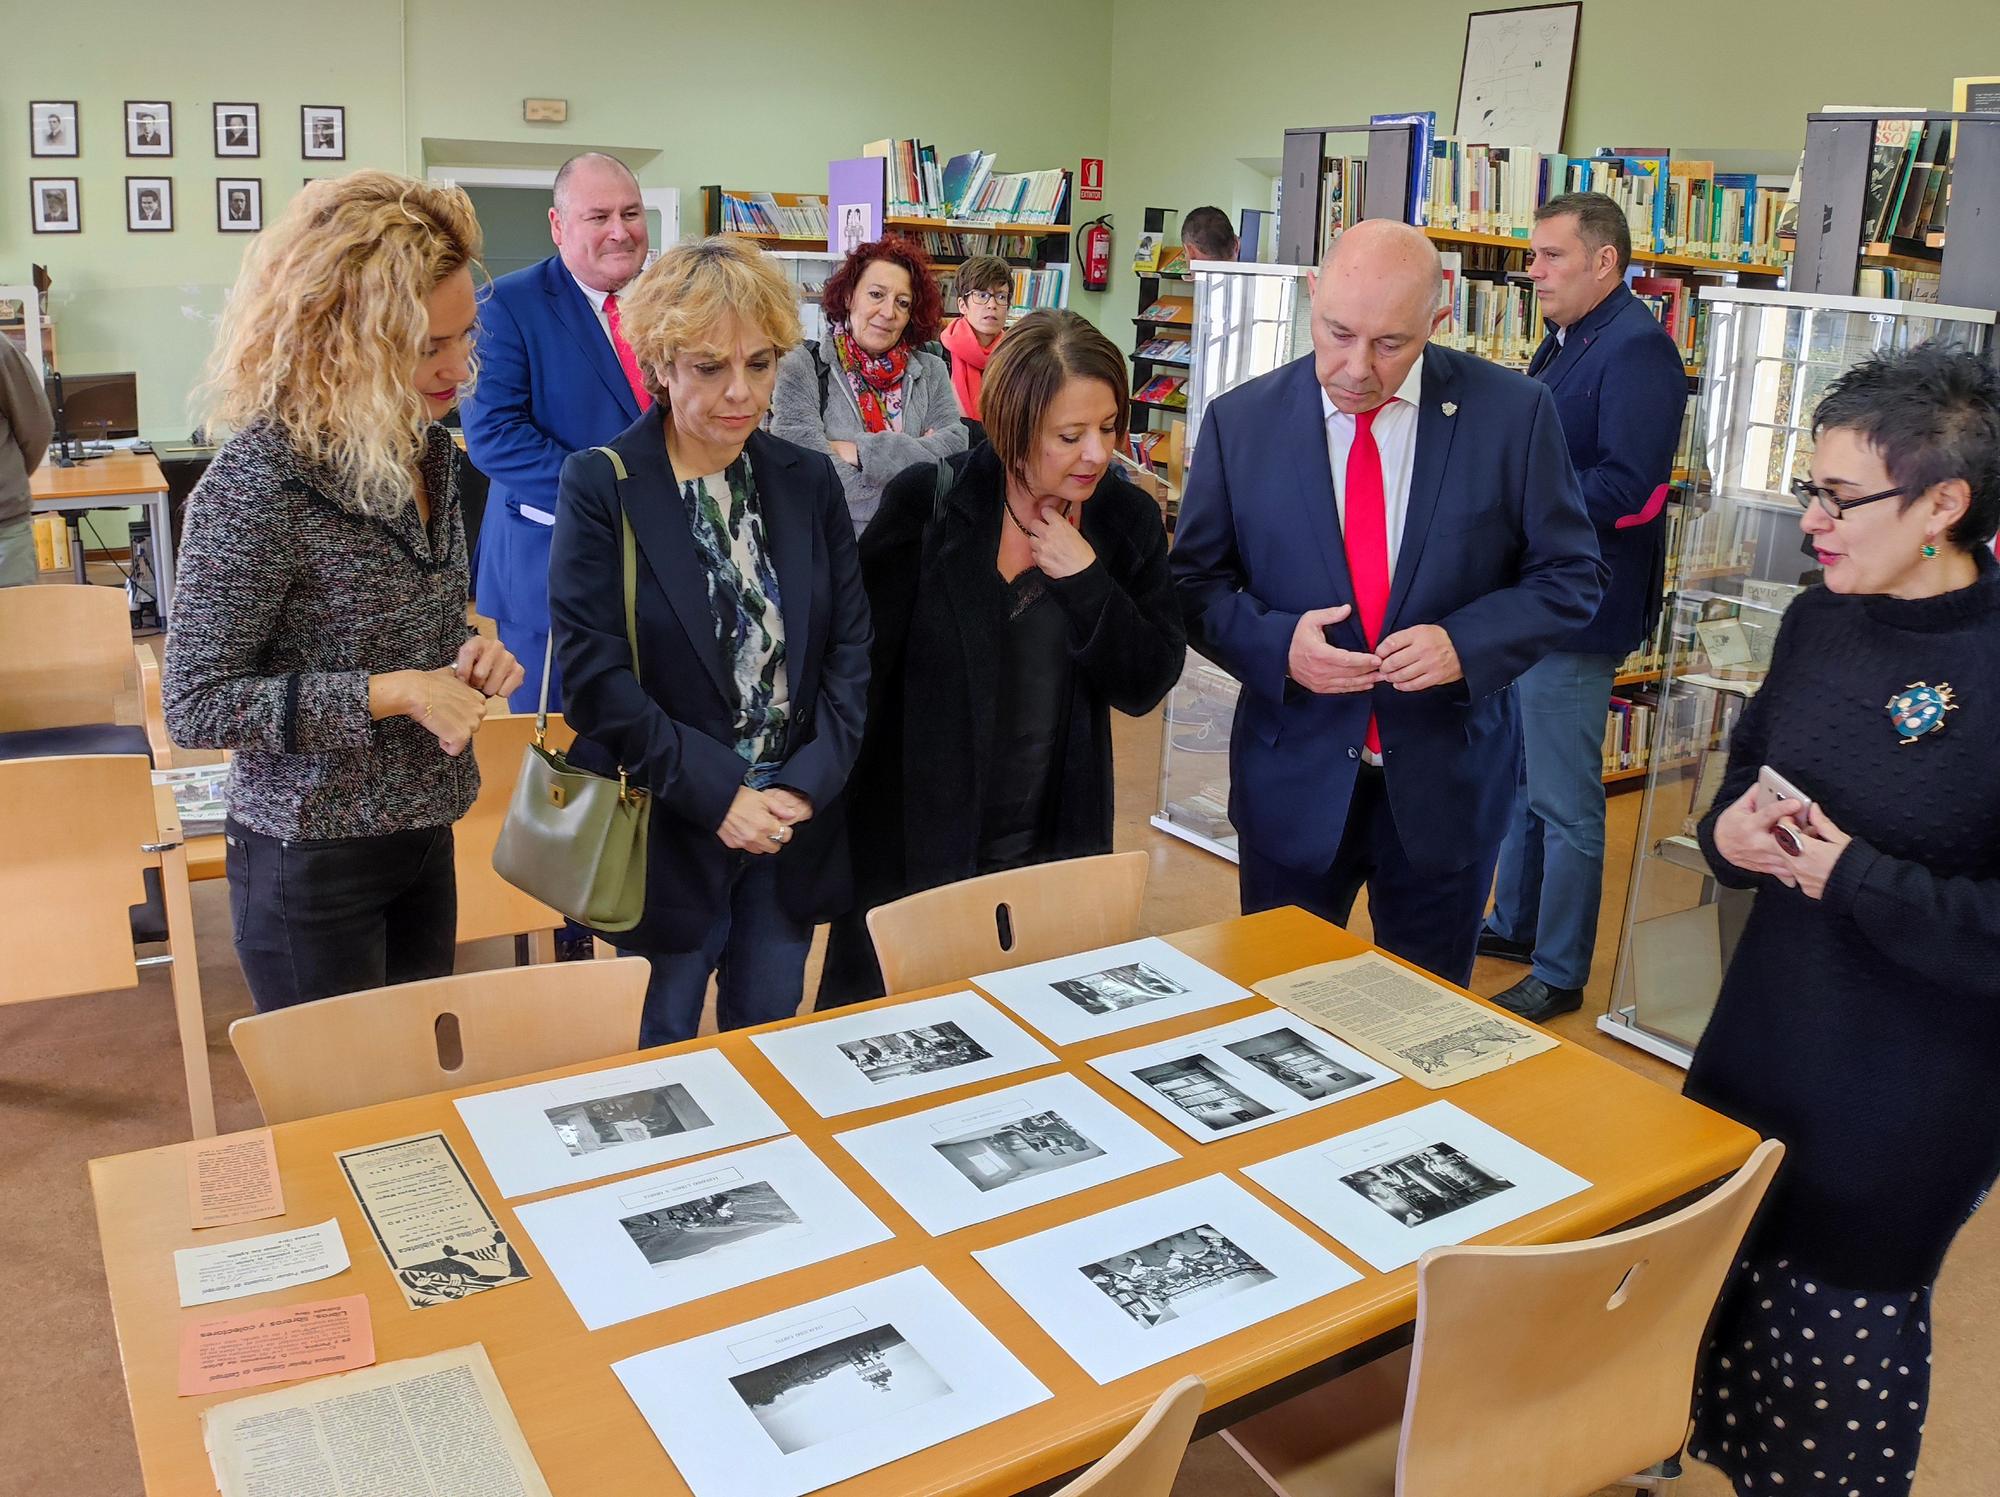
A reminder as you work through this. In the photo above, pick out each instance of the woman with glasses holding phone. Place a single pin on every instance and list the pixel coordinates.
(985, 292)
(1860, 1018)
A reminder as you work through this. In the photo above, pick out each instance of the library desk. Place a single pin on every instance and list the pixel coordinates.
(1642, 1147)
(124, 480)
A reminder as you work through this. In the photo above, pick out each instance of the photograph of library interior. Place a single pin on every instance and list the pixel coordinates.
(932, 750)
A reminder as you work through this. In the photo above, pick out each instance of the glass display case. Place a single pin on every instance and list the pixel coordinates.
(1248, 320)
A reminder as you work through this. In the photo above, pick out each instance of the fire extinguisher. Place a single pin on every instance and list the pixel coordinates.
(1097, 253)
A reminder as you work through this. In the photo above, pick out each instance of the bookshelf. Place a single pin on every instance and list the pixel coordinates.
(782, 220)
(1698, 263)
(1160, 350)
(1384, 190)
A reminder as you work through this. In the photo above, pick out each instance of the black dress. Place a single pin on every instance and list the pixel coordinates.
(1034, 686)
(1863, 1030)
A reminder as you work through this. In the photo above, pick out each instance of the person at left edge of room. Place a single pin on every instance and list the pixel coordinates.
(985, 290)
(25, 428)
(1620, 392)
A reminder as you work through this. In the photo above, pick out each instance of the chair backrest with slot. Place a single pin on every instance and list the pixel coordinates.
(66, 658)
(1145, 1462)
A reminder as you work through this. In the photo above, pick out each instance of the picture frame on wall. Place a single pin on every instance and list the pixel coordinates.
(149, 128)
(52, 129)
(239, 205)
(1515, 78)
(55, 205)
(238, 130)
(149, 205)
(323, 132)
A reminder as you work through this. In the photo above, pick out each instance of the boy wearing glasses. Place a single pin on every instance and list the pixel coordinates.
(985, 291)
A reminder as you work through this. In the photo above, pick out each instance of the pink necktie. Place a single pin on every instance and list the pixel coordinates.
(1365, 529)
(627, 361)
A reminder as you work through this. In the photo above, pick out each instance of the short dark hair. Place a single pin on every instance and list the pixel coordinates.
(1932, 414)
(1040, 354)
(926, 303)
(1208, 234)
(983, 273)
(1599, 221)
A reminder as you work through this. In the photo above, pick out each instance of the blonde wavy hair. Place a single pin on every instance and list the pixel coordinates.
(678, 305)
(323, 332)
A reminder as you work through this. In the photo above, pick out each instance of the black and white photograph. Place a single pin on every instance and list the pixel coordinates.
(628, 1118)
(323, 132)
(687, 1229)
(52, 128)
(238, 130)
(149, 205)
(1024, 1149)
(149, 128)
(913, 1052)
(1425, 1185)
(1168, 1278)
(843, 1385)
(1199, 1089)
(1118, 988)
(56, 207)
(1295, 1062)
(239, 204)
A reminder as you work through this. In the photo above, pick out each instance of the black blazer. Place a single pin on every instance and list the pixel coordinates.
(940, 609)
(672, 728)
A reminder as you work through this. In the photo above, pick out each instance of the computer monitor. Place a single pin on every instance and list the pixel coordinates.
(98, 407)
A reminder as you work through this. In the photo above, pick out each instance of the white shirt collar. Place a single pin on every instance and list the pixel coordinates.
(1410, 392)
(590, 294)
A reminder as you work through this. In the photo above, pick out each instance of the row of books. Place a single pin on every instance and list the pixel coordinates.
(1673, 303)
(1343, 186)
(1492, 316)
(790, 215)
(1041, 288)
(941, 244)
(1169, 390)
(966, 187)
(1705, 541)
(1163, 350)
(1909, 188)
(1146, 447)
(1170, 309)
(1641, 734)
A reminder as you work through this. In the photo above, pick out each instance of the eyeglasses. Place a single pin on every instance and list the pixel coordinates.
(1808, 493)
(989, 298)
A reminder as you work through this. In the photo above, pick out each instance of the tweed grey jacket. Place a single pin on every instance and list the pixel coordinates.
(929, 405)
(286, 601)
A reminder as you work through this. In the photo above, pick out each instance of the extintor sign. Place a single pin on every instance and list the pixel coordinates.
(1090, 181)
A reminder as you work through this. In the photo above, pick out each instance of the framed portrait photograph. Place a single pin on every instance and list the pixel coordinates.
(239, 204)
(149, 128)
(52, 127)
(149, 205)
(55, 205)
(237, 130)
(323, 132)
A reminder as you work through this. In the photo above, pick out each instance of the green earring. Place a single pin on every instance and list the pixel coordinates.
(1929, 550)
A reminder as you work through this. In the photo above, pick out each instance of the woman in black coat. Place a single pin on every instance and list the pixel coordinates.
(1019, 593)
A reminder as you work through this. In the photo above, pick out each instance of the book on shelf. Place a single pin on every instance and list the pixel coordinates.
(1173, 260)
(1148, 447)
(1033, 289)
(1169, 309)
(1163, 350)
(1147, 256)
(1163, 389)
(1342, 186)
(943, 244)
(783, 215)
(966, 188)
(1425, 123)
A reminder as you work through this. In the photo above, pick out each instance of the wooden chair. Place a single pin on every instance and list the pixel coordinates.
(68, 660)
(1008, 919)
(1535, 1372)
(1145, 1462)
(487, 904)
(420, 1037)
(82, 832)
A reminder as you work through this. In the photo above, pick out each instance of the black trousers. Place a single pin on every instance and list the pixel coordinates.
(1422, 918)
(313, 919)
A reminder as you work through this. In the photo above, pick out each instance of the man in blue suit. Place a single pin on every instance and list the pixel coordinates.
(1376, 541)
(1620, 391)
(555, 376)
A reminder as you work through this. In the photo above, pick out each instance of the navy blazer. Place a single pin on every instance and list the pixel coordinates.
(1621, 391)
(673, 727)
(549, 385)
(1496, 549)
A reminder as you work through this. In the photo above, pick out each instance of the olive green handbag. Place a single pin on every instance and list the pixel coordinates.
(573, 839)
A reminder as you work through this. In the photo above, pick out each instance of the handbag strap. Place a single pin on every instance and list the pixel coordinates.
(629, 565)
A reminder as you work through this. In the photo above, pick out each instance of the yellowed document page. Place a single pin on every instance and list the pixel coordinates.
(431, 1224)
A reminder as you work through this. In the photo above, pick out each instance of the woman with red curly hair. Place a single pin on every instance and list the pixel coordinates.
(870, 392)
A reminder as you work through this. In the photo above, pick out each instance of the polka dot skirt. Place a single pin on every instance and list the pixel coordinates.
(1809, 1388)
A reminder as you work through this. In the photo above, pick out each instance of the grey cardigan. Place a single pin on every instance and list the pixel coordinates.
(25, 429)
(929, 405)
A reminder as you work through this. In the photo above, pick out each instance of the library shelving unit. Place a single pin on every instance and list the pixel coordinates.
(950, 243)
(715, 219)
(1153, 421)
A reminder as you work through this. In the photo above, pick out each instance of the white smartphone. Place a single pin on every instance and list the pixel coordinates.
(1778, 787)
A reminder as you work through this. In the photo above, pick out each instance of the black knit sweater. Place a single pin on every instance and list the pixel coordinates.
(1863, 1028)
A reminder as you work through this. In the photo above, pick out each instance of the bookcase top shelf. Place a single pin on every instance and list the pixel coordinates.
(953, 226)
(1685, 262)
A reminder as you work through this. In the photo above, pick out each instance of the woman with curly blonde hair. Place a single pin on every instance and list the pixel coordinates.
(319, 624)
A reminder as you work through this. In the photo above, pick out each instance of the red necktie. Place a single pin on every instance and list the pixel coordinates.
(626, 359)
(1365, 529)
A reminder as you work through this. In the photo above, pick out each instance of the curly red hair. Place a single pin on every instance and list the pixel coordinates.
(926, 305)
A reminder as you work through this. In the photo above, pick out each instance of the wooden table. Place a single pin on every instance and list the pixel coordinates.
(1641, 1145)
(120, 481)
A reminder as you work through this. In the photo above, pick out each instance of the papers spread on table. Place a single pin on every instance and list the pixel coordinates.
(996, 1153)
(201, 796)
(1419, 1180)
(810, 1396)
(1433, 1034)
(253, 1265)
(441, 1241)
(1079, 997)
(885, 1055)
(276, 1346)
(1243, 1075)
(659, 1240)
(1146, 1281)
(579, 1128)
(440, 1424)
(233, 1179)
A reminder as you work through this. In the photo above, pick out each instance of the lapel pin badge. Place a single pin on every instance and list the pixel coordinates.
(1450, 408)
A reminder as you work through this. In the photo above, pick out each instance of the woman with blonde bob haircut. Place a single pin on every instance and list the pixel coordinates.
(319, 625)
(742, 713)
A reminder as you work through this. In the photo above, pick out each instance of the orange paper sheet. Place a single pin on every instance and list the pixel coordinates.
(234, 1179)
(276, 1346)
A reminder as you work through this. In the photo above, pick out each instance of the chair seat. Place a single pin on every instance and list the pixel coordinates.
(1336, 1440)
(86, 738)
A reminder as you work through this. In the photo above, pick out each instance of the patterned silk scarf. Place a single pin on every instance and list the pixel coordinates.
(728, 532)
(875, 379)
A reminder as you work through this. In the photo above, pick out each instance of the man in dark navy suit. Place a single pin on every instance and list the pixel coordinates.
(1620, 391)
(1376, 541)
(555, 376)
